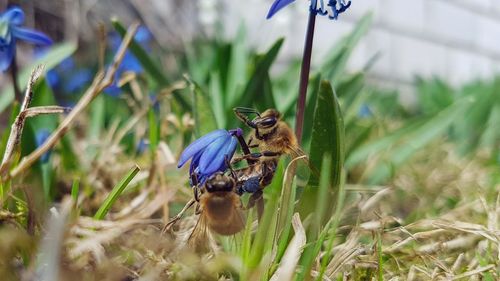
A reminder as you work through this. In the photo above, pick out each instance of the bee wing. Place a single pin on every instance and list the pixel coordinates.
(199, 239)
(238, 220)
(296, 151)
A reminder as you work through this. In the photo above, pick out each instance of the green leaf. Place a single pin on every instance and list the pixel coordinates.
(55, 56)
(148, 63)
(327, 135)
(75, 190)
(255, 84)
(314, 86)
(204, 117)
(237, 66)
(406, 141)
(115, 193)
(154, 130)
(217, 98)
(327, 139)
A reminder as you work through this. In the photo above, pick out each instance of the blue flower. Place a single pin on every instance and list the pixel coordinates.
(40, 137)
(332, 9)
(11, 31)
(208, 154)
(365, 111)
(278, 5)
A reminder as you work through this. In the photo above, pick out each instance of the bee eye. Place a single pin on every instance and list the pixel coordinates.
(267, 122)
(228, 186)
(209, 187)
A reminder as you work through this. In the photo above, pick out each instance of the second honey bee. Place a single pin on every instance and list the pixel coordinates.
(219, 208)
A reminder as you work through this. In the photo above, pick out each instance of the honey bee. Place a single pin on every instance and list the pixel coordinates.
(273, 138)
(219, 208)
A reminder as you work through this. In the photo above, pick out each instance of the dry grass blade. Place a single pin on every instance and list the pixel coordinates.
(292, 254)
(100, 82)
(462, 242)
(474, 272)
(345, 253)
(51, 109)
(18, 125)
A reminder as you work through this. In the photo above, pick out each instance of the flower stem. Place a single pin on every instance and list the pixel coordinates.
(304, 75)
(15, 82)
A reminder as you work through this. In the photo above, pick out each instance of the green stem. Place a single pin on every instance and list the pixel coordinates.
(304, 74)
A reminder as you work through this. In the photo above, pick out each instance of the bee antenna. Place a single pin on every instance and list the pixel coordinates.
(246, 110)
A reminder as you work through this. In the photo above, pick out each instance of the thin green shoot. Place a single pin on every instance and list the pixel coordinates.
(115, 193)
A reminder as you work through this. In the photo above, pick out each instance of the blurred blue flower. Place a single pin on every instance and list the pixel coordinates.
(365, 111)
(332, 8)
(11, 31)
(208, 154)
(141, 146)
(41, 136)
(67, 78)
(129, 62)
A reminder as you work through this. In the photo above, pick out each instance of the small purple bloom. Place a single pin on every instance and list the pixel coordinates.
(330, 8)
(11, 31)
(208, 154)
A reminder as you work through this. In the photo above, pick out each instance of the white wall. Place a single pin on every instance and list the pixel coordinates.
(458, 40)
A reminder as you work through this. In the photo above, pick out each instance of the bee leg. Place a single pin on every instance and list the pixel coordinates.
(231, 170)
(242, 112)
(197, 210)
(172, 222)
(257, 199)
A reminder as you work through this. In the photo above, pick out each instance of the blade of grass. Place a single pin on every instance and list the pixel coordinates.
(332, 230)
(265, 229)
(154, 134)
(75, 190)
(315, 230)
(115, 193)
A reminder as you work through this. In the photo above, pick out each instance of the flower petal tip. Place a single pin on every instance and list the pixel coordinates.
(276, 6)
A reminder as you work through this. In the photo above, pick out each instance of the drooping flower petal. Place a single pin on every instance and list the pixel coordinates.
(195, 162)
(214, 158)
(31, 36)
(211, 159)
(6, 55)
(278, 5)
(198, 145)
(13, 15)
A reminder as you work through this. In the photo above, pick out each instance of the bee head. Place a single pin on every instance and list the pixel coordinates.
(267, 119)
(219, 182)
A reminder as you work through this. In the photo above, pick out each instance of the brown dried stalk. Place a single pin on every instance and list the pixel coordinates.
(25, 112)
(101, 81)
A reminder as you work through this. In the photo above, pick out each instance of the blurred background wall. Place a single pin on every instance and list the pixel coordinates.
(457, 40)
